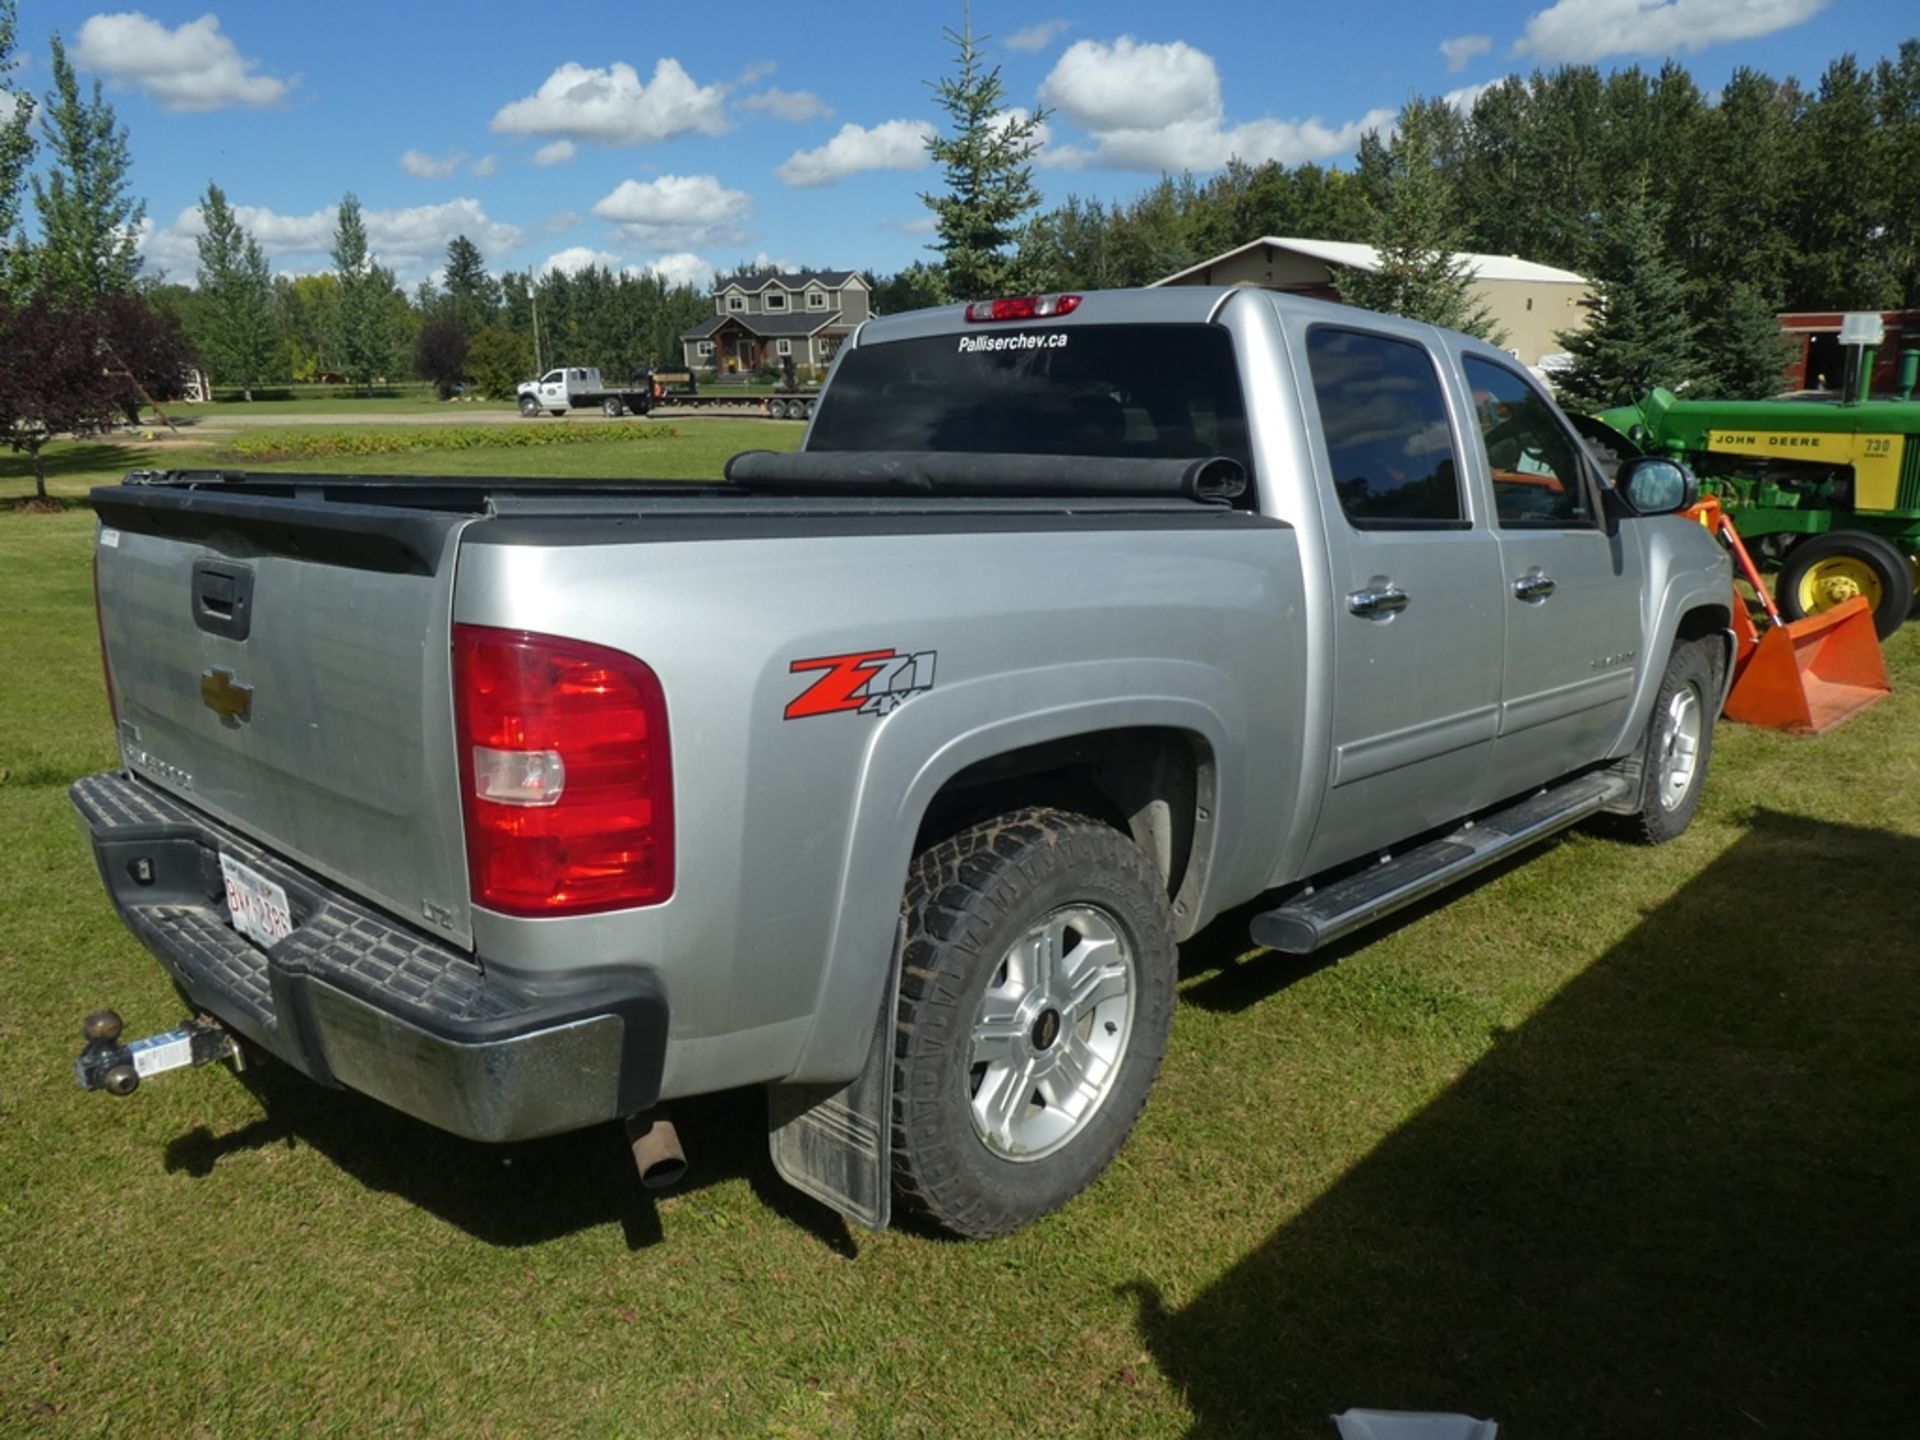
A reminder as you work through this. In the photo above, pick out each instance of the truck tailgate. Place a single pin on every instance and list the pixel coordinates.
(282, 663)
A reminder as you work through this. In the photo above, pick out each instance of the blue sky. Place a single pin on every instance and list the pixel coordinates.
(685, 137)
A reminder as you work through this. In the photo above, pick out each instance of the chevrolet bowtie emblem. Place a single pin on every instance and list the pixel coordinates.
(232, 703)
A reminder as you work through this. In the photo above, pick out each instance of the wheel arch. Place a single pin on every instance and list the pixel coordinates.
(1127, 755)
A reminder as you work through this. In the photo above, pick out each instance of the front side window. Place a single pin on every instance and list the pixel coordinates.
(1385, 420)
(1538, 479)
(552, 377)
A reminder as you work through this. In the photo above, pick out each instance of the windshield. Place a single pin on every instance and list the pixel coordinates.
(1147, 391)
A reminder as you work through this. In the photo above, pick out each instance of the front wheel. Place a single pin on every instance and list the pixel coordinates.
(1823, 571)
(529, 406)
(1673, 756)
(1035, 1001)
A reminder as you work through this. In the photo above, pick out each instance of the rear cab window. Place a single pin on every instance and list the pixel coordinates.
(1383, 413)
(1120, 391)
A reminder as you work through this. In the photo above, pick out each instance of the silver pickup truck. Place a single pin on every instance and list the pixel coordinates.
(890, 773)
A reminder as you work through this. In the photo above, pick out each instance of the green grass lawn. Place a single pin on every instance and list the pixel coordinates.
(1618, 1143)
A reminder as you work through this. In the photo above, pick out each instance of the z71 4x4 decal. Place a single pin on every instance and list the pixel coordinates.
(867, 682)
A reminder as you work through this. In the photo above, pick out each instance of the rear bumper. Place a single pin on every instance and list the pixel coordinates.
(353, 998)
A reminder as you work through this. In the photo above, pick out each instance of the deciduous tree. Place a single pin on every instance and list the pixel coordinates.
(89, 219)
(16, 149)
(367, 342)
(440, 354)
(240, 338)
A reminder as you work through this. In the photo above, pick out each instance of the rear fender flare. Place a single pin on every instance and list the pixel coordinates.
(926, 742)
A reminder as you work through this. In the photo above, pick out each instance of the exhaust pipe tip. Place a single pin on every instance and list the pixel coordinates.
(657, 1155)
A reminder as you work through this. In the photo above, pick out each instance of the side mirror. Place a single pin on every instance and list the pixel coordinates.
(1655, 485)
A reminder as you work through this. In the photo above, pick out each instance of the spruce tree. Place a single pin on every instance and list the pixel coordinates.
(89, 223)
(1743, 354)
(1411, 224)
(1639, 335)
(472, 294)
(987, 163)
(240, 334)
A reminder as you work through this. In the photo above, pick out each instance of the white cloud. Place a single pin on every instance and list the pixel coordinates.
(1151, 106)
(756, 72)
(483, 167)
(794, 105)
(194, 67)
(1036, 37)
(890, 145)
(683, 268)
(565, 220)
(423, 166)
(1131, 86)
(1579, 31)
(1465, 97)
(613, 107)
(575, 258)
(684, 210)
(764, 261)
(411, 241)
(559, 152)
(1462, 48)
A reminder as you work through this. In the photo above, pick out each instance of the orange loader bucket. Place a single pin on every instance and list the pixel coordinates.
(1802, 676)
(1808, 675)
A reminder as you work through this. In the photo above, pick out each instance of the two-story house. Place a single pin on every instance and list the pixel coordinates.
(762, 319)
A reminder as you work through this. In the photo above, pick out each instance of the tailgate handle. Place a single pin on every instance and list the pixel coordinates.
(223, 598)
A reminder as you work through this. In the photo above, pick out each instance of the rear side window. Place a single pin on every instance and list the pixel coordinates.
(1538, 480)
(1385, 420)
(1146, 391)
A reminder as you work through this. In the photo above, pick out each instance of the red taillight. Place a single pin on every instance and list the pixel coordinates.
(565, 774)
(100, 630)
(1023, 307)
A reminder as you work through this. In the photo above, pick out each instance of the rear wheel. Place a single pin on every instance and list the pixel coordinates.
(1823, 571)
(529, 406)
(1035, 999)
(612, 407)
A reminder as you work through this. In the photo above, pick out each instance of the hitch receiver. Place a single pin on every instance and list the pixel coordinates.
(118, 1069)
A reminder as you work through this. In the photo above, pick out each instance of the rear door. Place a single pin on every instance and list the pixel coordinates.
(1571, 589)
(1416, 603)
(283, 665)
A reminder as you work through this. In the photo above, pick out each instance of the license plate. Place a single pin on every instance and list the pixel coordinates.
(258, 907)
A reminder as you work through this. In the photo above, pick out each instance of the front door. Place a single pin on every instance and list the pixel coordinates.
(1417, 614)
(1572, 590)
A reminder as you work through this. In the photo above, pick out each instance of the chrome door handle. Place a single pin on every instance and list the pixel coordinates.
(1378, 602)
(1534, 587)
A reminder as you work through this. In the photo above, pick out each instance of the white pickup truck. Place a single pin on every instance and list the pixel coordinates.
(579, 387)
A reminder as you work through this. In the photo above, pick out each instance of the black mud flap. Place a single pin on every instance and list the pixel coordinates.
(835, 1142)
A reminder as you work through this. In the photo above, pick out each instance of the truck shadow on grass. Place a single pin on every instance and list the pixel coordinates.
(511, 1195)
(1678, 1200)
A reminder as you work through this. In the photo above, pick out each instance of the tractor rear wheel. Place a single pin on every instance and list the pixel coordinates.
(1823, 571)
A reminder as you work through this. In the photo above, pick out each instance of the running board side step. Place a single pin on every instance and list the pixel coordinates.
(1319, 917)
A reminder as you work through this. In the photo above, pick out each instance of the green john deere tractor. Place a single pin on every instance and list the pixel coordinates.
(1827, 490)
